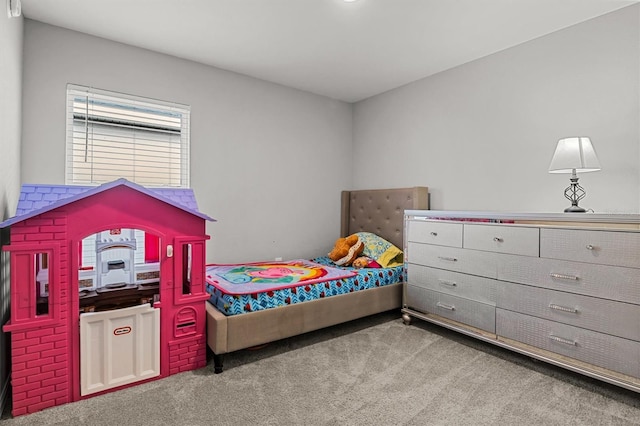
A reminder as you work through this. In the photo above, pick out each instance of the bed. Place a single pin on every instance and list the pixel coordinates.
(376, 211)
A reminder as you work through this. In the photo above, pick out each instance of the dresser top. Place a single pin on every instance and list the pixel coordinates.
(525, 217)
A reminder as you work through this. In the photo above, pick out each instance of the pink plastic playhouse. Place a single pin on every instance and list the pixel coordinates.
(107, 290)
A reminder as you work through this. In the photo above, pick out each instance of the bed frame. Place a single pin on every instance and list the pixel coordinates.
(380, 211)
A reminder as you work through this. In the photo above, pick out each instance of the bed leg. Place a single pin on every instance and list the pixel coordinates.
(217, 363)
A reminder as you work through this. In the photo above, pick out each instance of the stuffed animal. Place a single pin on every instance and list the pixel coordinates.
(361, 262)
(346, 250)
(365, 262)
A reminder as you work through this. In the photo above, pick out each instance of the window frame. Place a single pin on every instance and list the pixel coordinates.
(191, 270)
(24, 294)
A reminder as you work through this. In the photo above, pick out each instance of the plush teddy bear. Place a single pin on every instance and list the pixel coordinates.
(365, 262)
(346, 250)
(361, 262)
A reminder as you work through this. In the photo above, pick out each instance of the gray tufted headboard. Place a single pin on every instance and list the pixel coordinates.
(381, 211)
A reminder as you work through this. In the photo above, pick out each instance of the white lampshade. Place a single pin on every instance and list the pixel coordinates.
(575, 153)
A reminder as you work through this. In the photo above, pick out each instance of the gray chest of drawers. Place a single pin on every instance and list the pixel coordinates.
(563, 288)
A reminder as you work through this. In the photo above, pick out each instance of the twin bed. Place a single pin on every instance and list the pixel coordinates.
(238, 321)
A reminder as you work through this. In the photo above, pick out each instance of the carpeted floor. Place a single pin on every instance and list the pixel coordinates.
(374, 371)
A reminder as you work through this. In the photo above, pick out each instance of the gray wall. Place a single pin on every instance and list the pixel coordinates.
(10, 118)
(481, 136)
(263, 156)
(10, 112)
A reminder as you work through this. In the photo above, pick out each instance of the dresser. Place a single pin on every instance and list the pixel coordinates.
(562, 288)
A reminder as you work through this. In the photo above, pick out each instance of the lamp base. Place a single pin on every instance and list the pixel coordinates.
(574, 193)
(574, 209)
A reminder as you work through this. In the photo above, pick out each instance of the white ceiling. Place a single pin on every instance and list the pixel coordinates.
(347, 51)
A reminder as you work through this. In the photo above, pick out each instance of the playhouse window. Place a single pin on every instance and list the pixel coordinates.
(113, 135)
(119, 255)
(186, 269)
(88, 249)
(42, 281)
(33, 284)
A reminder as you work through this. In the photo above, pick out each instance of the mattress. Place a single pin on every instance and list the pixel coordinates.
(365, 278)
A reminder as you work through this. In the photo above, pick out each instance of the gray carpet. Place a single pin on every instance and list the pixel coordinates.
(374, 371)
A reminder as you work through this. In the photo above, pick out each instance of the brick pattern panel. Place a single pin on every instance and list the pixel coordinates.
(45, 227)
(40, 375)
(187, 354)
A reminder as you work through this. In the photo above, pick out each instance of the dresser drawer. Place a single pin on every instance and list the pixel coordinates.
(601, 247)
(466, 286)
(613, 353)
(606, 316)
(502, 239)
(475, 314)
(451, 258)
(607, 282)
(440, 233)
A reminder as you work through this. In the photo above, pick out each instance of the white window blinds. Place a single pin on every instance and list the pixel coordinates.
(112, 135)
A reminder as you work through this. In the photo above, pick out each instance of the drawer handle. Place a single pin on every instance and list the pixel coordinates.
(564, 276)
(591, 247)
(563, 308)
(498, 239)
(563, 340)
(449, 259)
(433, 234)
(448, 307)
(448, 283)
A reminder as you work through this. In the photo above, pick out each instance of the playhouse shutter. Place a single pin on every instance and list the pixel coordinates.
(112, 135)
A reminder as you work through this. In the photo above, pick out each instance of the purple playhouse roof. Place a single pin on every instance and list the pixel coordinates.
(38, 199)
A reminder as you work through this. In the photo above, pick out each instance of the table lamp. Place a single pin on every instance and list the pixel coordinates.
(575, 154)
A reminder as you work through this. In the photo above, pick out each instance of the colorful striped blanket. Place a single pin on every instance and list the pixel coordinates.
(259, 277)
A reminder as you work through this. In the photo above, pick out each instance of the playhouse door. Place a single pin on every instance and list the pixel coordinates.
(118, 347)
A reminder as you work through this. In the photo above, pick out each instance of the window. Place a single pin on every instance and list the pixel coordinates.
(34, 286)
(88, 252)
(43, 277)
(112, 135)
(186, 269)
(189, 266)
(118, 255)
